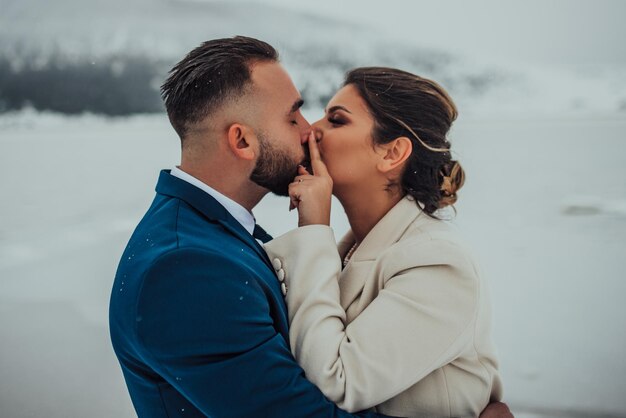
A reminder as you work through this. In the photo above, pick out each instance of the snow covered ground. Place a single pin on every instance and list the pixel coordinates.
(544, 208)
(542, 135)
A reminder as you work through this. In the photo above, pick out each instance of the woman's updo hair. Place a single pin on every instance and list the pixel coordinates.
(403, 104)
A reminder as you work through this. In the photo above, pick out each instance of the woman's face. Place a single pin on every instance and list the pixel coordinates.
(346, 139)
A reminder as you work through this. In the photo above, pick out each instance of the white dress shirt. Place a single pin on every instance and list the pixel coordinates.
(241, 214)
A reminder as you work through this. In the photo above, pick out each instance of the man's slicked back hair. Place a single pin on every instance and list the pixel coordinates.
(209, 76)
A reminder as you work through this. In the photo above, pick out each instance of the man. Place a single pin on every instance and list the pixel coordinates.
(197, 315)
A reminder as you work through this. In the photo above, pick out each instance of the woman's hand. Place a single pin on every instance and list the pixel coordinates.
(311, 193)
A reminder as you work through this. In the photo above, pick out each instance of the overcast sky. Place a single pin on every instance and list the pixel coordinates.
(559, 32)
(573, 33)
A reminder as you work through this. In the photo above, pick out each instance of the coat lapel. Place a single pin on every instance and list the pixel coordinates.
(385, 233)
(210, 208)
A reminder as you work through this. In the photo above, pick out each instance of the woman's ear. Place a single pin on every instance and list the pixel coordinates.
(242, 141)
(394, 154)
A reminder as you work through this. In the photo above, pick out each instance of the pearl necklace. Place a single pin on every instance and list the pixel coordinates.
(346, 259)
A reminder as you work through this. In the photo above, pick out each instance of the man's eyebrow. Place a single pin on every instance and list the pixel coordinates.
(296, 105)
(334, 108)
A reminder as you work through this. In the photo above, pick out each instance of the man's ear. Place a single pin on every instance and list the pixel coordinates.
(394, 154)
(242, 141)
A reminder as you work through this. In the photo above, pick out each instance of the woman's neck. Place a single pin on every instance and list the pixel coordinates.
(365, 208)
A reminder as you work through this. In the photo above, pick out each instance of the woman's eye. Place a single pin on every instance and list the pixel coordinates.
(335, 121)
(294, 122)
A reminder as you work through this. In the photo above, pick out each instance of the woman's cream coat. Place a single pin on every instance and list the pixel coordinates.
(405, 327)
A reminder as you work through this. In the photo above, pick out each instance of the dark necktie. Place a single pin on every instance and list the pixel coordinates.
(260, 234)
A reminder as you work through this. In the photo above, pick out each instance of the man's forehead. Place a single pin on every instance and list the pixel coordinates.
(271, 77)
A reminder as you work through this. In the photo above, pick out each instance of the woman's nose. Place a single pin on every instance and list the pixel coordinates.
(318, 124)
(318, 134)
(317, 127)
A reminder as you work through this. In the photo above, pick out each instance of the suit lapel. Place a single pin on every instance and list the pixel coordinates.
(352, 281)
(385, 233)
(239, 231)
(210, 208)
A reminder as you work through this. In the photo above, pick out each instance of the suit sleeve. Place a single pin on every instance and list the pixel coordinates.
(204, 324)
(421, 319)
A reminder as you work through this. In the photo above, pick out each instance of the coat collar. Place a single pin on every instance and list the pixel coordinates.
(204, 203)
(385, 233)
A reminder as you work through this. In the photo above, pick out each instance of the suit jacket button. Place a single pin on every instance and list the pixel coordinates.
(281, 275)
(277, 264)
(283, 287)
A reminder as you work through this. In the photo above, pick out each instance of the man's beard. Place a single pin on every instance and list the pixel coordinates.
(275, 169)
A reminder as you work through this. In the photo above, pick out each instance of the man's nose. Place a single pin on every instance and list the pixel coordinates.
(306, 130)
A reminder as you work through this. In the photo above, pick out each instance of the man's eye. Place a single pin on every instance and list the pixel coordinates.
(294, 122)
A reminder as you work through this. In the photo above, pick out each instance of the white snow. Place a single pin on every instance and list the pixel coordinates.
(75, 187)
(544, 206)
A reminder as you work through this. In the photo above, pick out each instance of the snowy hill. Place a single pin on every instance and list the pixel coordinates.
(111, 56)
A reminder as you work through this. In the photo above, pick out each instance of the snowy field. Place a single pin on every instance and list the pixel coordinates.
(544, 207)
(542, 136)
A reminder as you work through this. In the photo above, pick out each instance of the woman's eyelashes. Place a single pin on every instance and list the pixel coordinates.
(336, 120)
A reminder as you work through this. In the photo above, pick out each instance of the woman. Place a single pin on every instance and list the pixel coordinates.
(397, 318)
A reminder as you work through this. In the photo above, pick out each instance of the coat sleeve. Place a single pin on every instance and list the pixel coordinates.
(204, 324)
(421, 320)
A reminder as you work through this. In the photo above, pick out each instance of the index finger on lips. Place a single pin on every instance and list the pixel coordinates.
(318, 166)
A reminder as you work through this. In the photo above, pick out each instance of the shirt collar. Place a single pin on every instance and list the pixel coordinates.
(241, 214)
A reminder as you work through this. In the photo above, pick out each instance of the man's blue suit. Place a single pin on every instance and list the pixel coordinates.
(198, 320)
